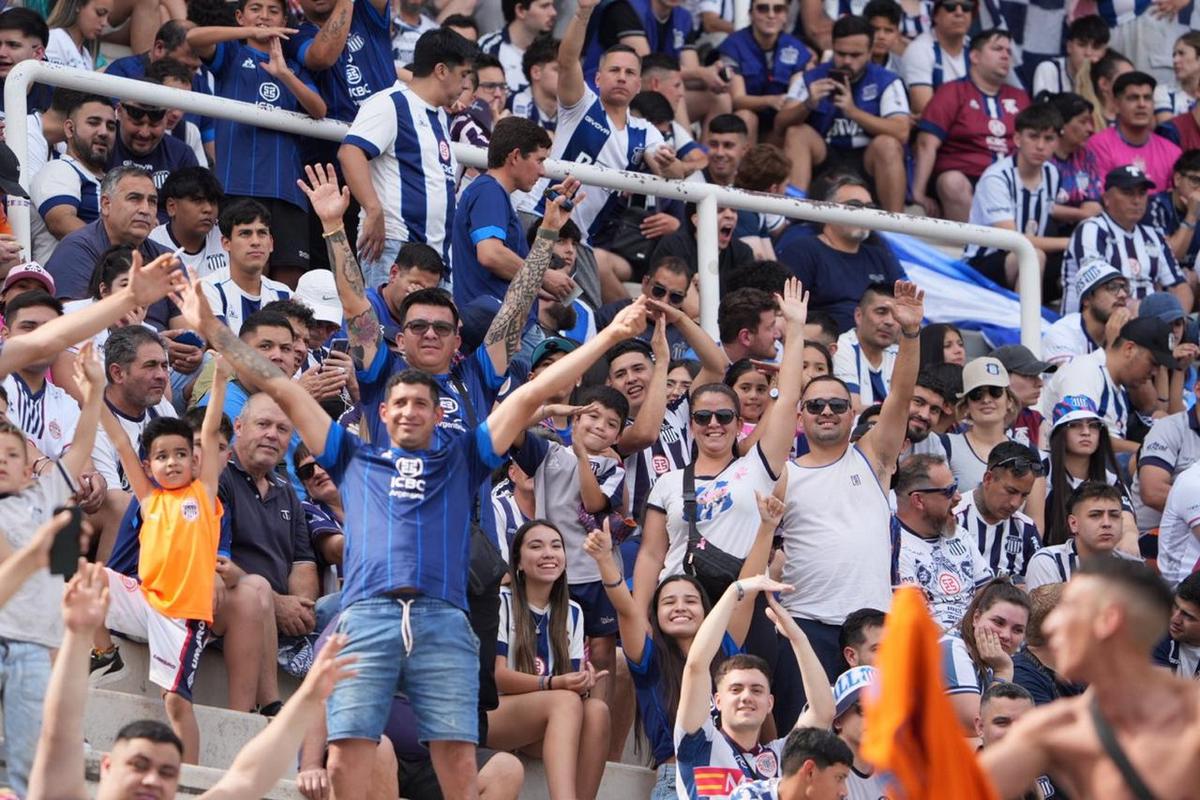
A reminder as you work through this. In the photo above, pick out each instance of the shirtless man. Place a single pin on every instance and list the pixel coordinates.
(1113, 612)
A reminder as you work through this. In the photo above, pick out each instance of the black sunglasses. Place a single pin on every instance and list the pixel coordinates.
(952, 7)
(976, 394)
(305, 471)
(945, 491)
(421, 326)
(764, 8)
(139, 114)
(724, 416)
(1020, 466)
(818, 405)
(658, 292)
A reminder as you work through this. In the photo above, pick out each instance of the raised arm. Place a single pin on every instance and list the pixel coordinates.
(211, 463)
(819, 713)
(135, 473)
(883, 443)
(770, 512)
(89, 377)
(647, 424)
(277, 67)
(779, 427)
(631, 619)
(713, 360)
(570, 55)
(331, 37)
(204, 41)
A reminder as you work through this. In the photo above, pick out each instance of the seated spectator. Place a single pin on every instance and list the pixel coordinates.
(408, 23)
(525, 21)
(1180, 651)
(728, 141)
(764, 168)
(174, 75)
(1033, 666)
(813, 760)
(1118, 237)
(1175, 211)
(934, 552)
(241, 289)
(866, 354)
(991, 513)
(766, 62)
(1094, 524)
(66, 191)
(1171, 446)
(987, 402)
(668, 281)
(978, 652)
(1086, 40)
(747, 325)
(849, 725)
(1132, 140)
(731, 253)
(1171, 100)
(1025, 379)
(486, 104)
(317, 290)
(1019, 193)
(1081, 184)
(924, 414)
(860, 636)
(192, 196)
(681, 374)
(26, 277)
(886, 17)
(1102, 292)
(838, 266)
(999, 709)
(966, 126)
(655, 107)
(1176, 531)
(540, 639)
(850, 113)
(27, 37)
(937, 55)
(822, 328)
(538, 101)
(142, 141)
(942, 343)
(1098, 88)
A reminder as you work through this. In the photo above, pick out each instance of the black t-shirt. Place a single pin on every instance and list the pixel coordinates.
(682, 244)
(618, 20)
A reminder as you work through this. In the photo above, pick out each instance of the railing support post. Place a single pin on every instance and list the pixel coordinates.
(707, 256)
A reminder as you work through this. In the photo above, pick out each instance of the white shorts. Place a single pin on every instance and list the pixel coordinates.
(175, 644)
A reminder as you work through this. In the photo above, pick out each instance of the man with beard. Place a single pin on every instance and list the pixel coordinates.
(991, 513)
(924, 413)
(836, 266)
(142, 141)
(1102, 289)
(66, 192)
(192, 196)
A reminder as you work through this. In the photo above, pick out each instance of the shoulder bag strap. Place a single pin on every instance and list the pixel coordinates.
(689, 504)
(1112, 747)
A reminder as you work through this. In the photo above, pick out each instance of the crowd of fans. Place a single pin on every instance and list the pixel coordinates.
(401, 429)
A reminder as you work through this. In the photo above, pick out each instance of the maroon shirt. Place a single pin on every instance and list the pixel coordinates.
(975, 128)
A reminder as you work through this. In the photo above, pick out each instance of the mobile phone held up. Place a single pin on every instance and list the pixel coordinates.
(64, 553)
(551, 196)
(339, 345)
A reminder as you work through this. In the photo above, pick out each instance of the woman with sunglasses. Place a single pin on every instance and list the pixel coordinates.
(989, 405)
(1080, 450)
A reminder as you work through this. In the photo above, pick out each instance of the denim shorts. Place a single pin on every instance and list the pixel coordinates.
(664, 784)
(421, 646)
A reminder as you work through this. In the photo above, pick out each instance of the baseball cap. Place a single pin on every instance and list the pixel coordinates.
(1163, 305)
(1154, 335)
(549, 346)
(1073, 407)
(30, 269)
(1129, 176)
(849, 686)
(1094, 275)
(1019, 359)
(10, 173)
(317, 290)
(984, 371)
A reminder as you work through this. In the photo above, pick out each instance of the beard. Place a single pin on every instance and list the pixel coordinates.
(916, 437)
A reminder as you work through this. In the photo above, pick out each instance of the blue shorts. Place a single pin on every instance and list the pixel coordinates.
(439, 674)
(599, 616)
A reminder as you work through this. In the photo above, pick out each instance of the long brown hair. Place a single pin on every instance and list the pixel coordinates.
(997, 590)
(523, 645)
(1100, 464)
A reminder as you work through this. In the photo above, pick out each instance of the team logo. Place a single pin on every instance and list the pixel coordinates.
(996, 127)
(855, 480)
(678, 40)
(1009, 105)
(286, 514)
(661, 465)
(268, 91)
(636, 158)
(444, 151)
(766, 764)
(973, 104)
(1135, 267)
(1031, 228)
(992, 368)
(248, 64)
(190, 510)
(353, 74)
(1081, 180)
(410, 467)
(539, 666)
(355, 43)
(129, 583)
(870, 92)
(789, 55)
(55, 429)
(449, 404)
(949, 583)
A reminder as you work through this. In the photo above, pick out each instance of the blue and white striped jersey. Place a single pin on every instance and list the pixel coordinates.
(47, 417)
(63, 181)
(1001, 196)
(1142, 254)
(499, 44)
(413, 170)
(672, 451)
(404, 38)
(958, 670)
(544, 660)
(231, 304)
(1172, 101)
(710, 764)
(1007, 545)
(521, 104)
(508, 516)
(1038, 28)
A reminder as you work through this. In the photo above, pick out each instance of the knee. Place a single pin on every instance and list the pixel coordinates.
(503, 774)
(887, 147)
(256, 594)
(595, 713)
(566, 704)
(385, 757)
(177, 707)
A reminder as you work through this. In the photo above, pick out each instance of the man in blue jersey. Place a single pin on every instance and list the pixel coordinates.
(142, 141)
(406, 590)
(854, 114)
(397, 159)
(524, 22)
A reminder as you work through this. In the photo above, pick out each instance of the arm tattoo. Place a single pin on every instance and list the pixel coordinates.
(341, 255)
(363, 330)
(522, 291)
(332, 30)
(245, 357)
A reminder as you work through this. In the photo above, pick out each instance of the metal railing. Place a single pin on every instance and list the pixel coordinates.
(707, 197)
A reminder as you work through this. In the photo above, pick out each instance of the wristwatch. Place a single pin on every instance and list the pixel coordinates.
(773, 393)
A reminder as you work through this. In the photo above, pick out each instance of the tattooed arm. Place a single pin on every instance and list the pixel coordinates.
(503, 337)
(330, 40)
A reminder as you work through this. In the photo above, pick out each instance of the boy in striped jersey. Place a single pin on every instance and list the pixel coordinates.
(1007, 538)
(1095, 522)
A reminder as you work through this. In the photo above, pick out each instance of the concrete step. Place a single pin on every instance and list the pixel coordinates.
(193, 780)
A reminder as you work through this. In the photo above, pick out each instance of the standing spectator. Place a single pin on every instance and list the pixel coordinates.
(524, 22)
(866, 354)
(1118, 237)
(75, 28)
(1171, 446)
(241, 288)
(1132, 141)
(1102, 291)
(403, 131)
(538, 101)
(488, 100)
(1081, 184)
(142, 141)
(1019, 193)
(746, 322)
(728, 141)
(1180, 651)
(967, 125)
(853, 113)
(1094, 520)
(1086, 41)
(937, 56)
(765, 62)
(837, 266)
(66, 191)
(409, 23)
(1175, 211)
(192, 196)
(24, 36)
(991, 512)
(170, 73)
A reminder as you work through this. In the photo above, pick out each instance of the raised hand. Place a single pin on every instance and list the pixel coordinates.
(556, 216)
(782, 620)
(658, 342)
(770, 508)
(991, 652)
(793, 303)
(222, 369)
(329, 202)
(630, 321)
(154, 281)
(89, 371)
(328, 669)
(760, 583)
(85, 602)
(276, 66)
(598, 543)
(909, 308)
(1116, 321)
(267, 33)
(193, 305)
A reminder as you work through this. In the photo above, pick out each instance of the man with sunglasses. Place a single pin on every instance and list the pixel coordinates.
(1102, 290)
(933, 551)
(1094, 519)
(142, 141)
(991, 513)
(667, 281)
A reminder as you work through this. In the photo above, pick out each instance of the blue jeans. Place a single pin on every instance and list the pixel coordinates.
(417, 645)
(375, 273)
(24, 677)
(664, 787)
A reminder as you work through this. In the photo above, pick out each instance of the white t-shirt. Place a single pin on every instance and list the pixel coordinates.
(926, 63)
(48, 417)
(947, 568)
(231, 304)
(1173, 445)
(1057, 563)
(1067, 338)
(1088, 376)
(61, 50)
(1178, 546)
(209, 259)
(405, 36)
(104, 455)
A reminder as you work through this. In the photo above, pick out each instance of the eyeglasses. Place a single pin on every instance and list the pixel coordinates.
(139, 114)
(1079, 424)
(836, 405)
(658, 292)
(1192, 178)
(765, 8)
(860, 204)
(493, 86)
(976, 394)
(945, 491)
(421, 326)
(305, 471)
(960, 6)
(724, 416)
(1020, 465)
(1116, 287)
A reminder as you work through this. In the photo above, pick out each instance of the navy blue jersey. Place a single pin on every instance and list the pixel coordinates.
(1162, 214)
(484, 211)
(390, 325)
(406, 523)
(254, 161)
(671, 36)
(170, 155)
(765, 73)
(879, 92)
(202, 82)
(364, 67)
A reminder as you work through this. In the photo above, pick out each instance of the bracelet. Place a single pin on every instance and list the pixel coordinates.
(908, 335)
(614, 584)
(334, 232)
(541, 683)
(1191, 226)
(741, 593)
(547, 234)
(550, 682)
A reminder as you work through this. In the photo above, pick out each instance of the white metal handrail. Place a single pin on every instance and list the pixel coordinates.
(707, 197)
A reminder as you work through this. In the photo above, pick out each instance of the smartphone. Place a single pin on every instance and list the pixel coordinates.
(64, 553)
(339, 345)
(190, 337)
(839, 76)
(552, 195)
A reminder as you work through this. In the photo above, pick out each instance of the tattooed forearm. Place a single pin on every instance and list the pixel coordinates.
(364, 334)
(333, 32)
(345, 265)
(522, 291)
(245, 359)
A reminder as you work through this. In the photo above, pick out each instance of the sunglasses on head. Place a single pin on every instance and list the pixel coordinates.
(1020, 466)
(139, 114)
(658, 292)
(836, 405)
(976, 394)
(767, 8)
(305, 471)
(945, 491)
(724, 416)
(421, 326)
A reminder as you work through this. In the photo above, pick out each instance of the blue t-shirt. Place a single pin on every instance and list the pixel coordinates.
(363, 68)
(406, 523)
(254, 161)
(170, 155)
(127, 549)
(484, 211)
(390, 325)
(878, 92)
(763, 73)
(135, 67)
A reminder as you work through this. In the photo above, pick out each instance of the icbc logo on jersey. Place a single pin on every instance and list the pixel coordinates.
(444, 151)
(662, 465)
(407, 479)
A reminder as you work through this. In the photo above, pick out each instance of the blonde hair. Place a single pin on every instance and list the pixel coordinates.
(66, 14)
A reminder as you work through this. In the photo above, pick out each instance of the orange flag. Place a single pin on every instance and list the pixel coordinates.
(912, 732)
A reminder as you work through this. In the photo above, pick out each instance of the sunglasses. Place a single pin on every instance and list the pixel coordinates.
(658, 292)
(765, 8)
(139, 114)
(1020, 465)
(421, 326)
(836, 405)
(952, 7)
(976, 394)
(945, 491)
(724, 416)
(1089, 424)
(305, 471)
(860, 204)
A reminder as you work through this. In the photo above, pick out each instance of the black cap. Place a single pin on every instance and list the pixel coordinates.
(1011, 451)
(10, 173)
(1154, 335)
(1020, 359)
(1129, 176)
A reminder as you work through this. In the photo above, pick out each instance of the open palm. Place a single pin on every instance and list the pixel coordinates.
(910, 305)
(328, 201)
